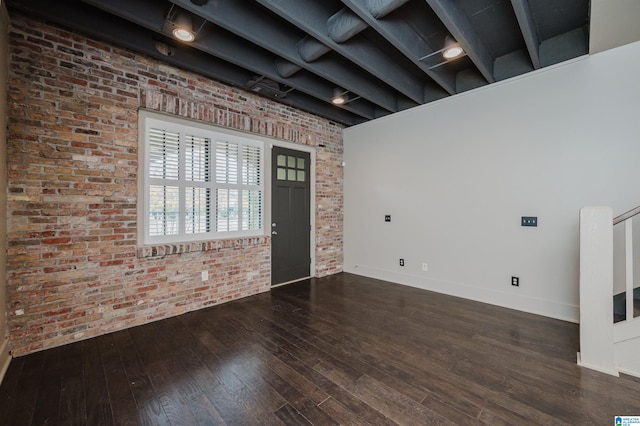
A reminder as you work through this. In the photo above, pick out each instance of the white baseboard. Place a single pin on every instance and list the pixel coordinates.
(547, 308)
(5, 358)
(596, 368)
(630, 373)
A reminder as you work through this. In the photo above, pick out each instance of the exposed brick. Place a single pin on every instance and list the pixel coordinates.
(75, 268)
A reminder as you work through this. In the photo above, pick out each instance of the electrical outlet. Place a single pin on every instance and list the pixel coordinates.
(401, 262)
(515, 281)
(387, 218)
(425, 267)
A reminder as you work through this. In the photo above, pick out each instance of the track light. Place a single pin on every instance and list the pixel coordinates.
(183, 27)
(339, 96)
(451, 48)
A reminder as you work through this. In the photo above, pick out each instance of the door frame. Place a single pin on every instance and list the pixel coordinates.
(312, 198)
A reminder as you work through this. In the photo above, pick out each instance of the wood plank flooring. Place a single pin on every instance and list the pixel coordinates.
(337, 350)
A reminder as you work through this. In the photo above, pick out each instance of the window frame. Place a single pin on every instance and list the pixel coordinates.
(187, 128)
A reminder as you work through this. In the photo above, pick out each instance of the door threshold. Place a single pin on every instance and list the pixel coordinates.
(291, 282)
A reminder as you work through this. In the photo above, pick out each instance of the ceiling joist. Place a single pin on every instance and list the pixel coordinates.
(459, 26)
(527, 26)
(383, 55)
(312, 17)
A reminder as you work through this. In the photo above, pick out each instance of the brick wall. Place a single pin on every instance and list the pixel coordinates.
(74, 267)
(4, 68)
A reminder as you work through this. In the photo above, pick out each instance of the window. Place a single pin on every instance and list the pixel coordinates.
(199, 183)
(290, 168)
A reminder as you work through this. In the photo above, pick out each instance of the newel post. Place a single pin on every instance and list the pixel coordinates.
(596, 289)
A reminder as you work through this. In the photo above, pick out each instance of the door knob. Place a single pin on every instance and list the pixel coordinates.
(274, 232)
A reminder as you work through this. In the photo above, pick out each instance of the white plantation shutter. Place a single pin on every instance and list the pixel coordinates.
(197, 158)
(226, 162)
(200, 184)
(239, 183)
(252, 209)
(251, 167)
(164, 154)
(197, 210)
(164, 167)
(163, 210)
(227, 208)
(252, 195)
(197, 168)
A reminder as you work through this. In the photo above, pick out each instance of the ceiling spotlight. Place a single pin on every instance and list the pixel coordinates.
(183, 27)
(339, 96)
(451, 48)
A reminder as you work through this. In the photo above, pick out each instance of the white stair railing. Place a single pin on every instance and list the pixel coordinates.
(626, 333)
(605, 346)
(628, 262)
(627, 219)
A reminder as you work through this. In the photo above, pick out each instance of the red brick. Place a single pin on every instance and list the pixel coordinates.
(56, 312)
(55, 240)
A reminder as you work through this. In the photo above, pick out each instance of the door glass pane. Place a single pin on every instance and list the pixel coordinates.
(301, 163)
(291, 175)
(282, 160)
(301, 176)
(291, 162)
(282, 174)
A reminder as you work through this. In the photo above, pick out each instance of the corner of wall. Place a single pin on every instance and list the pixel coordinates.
(613, 24)
(5, 358)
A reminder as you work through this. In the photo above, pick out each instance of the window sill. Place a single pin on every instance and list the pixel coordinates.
(161, 250)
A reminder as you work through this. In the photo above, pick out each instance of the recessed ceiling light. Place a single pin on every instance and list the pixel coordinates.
(451, 48)
(339, 97)
(183, 28)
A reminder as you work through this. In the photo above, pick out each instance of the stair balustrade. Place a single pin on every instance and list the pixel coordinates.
(608, 343)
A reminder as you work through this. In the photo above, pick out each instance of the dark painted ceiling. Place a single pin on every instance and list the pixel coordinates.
(384, 55)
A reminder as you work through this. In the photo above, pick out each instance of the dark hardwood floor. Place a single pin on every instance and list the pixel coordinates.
(337, 350)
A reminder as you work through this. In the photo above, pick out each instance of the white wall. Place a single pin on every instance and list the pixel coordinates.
(613, 23)
(457, 175)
